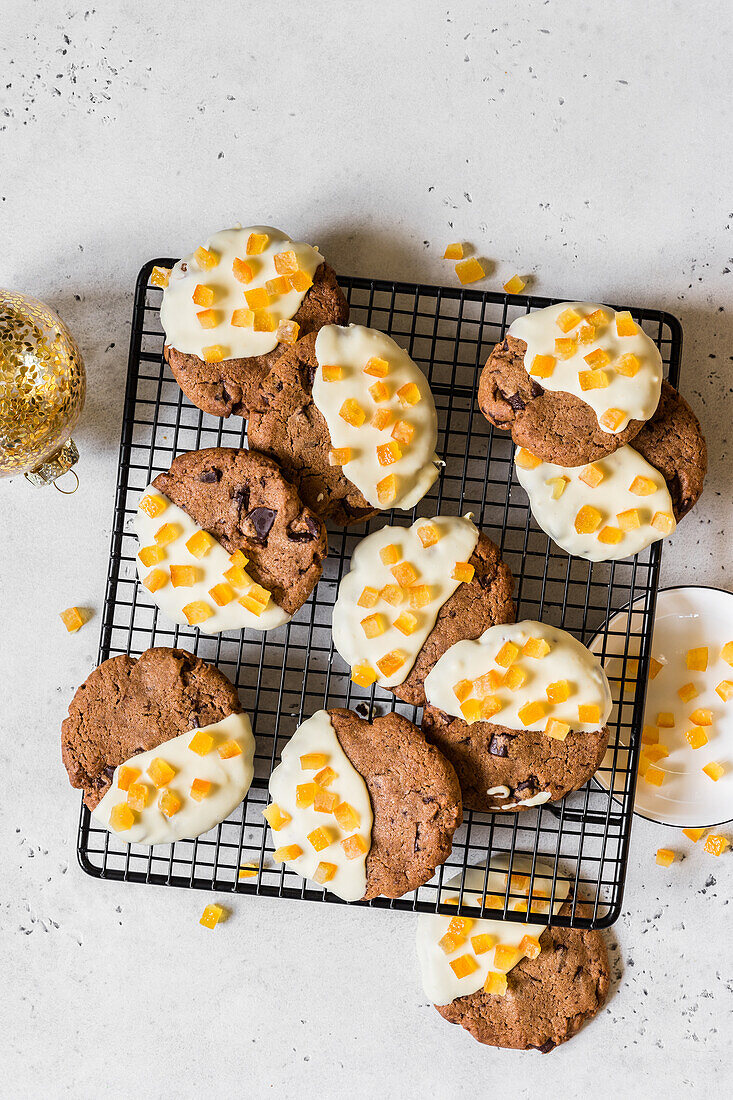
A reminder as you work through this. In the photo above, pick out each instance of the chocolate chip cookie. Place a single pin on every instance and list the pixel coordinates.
(128, 705)
(548, 999)
(673, 442)
(415, 796)
(244, 500)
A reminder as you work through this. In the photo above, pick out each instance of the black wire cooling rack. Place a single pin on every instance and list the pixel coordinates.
(287, 674)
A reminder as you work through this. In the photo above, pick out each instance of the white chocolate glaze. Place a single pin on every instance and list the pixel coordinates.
(636, 397)
(434, 564)
(317, 735)
(350, 348)
(567, 660)
(611, 496)
(211, 567)
(178, 311)
(440, 983)
(230, 781)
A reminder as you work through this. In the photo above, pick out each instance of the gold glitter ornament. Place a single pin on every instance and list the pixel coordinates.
(42, 389)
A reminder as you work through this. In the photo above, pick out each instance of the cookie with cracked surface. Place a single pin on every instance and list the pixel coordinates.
(351, 419)
(516, 765)
(415, 796)
(548, 999)
(242, 498)
(128, 705)
(672, 441)
(232, 307)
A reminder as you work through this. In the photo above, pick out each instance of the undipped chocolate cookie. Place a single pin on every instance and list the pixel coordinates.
(234, 305)
(363, 808)
(572, 382)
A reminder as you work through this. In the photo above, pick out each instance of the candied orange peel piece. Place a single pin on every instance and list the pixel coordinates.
(697, 659)
(612, 419)
(687, 692)
(530, 946)
(257, 243)
(160, 276)
(168, 532)
(198, 611)
(288, 332)
(276, 817)
(149, 555)
(72, 618)
(656, 752)
(280, 285)
(462, 690)
(127, 775)
(390, 554)
(568, 319)
(208, 318)
(221, 594)
(587, 520)
(453, 251)
(347, 817)
(213, 353)
(463, 572)
(324, 872)
(643, 486)
(598, 318)
(514, 678)
(694, 834)
(393, 594)
(702, 716)
(627, 365)
(339, 456)
(665, 857)
(586, 334)
(387, 489)
(482, 942)
(649, 735)
(301, 281)
(137, 796)
(229, 749)
(536, 648)
(428, 534)
(382, 419)
(654, 775)
(325, 776)
(468, 271)
(558, 692)
(558, 486)
(199, 544)
(321, 838)
(376, 367)
(716, 844)
(542, 366)
(409, 394)
(592, 379)
(589, 713)
(565, 347)
(507, 655)
(211, 916)
(153, 506)
(629, 520)
(463, 965)
(169, 803)
(597, 358)
(665, 719)
(406, 623)
(305, 794)
(236, 576)
(203, 295)
(354, 846)
(200, 789)
(286, 263)
(201, 743)
(242, 318)
(495, 984)
(531, 712)
(727, 653)
(591, 475)
(363, 675)
(556, 729)
(324, 802)
(610, 535)
(391, 662)
(121, 817)
(160, 771)
(264, 321)
(714, 770)
(288, 853)
(206, 258)
(257, 298)
(379, 392)
(332, 372)
(242, 271)
(505, 956)
(725, 690)
(373, 625)
(404, 573)
(526, 460)
(248, 870)
(696, 737)
(515, 285)
(389, 453)
(255, 599)
(368, 597)
(352, 412)
(625, 326)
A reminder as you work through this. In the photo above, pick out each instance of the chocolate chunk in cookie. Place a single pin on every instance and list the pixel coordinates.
(244, 500)
(129, 705)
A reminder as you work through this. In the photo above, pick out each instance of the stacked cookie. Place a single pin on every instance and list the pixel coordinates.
(342, 425)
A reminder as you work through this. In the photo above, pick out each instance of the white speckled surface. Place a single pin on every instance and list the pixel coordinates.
(585, 143)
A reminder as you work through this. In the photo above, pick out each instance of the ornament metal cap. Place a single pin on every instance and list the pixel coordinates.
(55, 466)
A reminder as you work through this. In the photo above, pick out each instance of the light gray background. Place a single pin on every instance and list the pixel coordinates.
(588, 144)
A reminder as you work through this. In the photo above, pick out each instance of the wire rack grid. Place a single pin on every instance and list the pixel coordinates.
(285, 675)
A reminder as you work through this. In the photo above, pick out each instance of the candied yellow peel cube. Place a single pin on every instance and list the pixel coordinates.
(137, 796)
(428, 534)
(211, 916)
(568, 319)
(390, 554)
(382, 419)
(462, 690)
(665, 857)
(248, 870)
(515, 285)
(257, 243)
(221, 594)
(324, 872)
(697, 659)
(229, 750)
(558, 486)
(505, 956)
(696, 737)
(406, 623)
(450, 943)
(403, 432)
(198, 611)
(531, 712)
(255, 599)
(203, 295)
(200, 789)
(391, 662)
(206, 258)
(558, 692)
(556, 729)
(610, 535)
(597, 358)
(482, 942)
(393, 594)
(121, 817)
(332, 372)
(276, 817)
(305, 794)
(354, 846)
(589, 713)
(301, 281)
(373, 625)
(208, 318)
(201, 743)
(629, 520)
(321, 838)
(325, 777)
(313, 761)
(542, 366)
(468, 271)
(242, 271)
(242, 318)
(463, 965)
(536, 648)
(514, 678)
(286, 263)
(694, 834)
(702, 716)
(127, 775)
(199, 544)
(586, 334)
(463, 572)
(352, 412)
(73, 618)
(409, 394)
(714, 770)
(149, 555)
(526, 460)
(324, 802)
(591, 475)
(612, 419)
(643, 486)
(507, 655)
(153, 506)
(160, 771)
(453, 251)
(379, 392)
(471, 711)
(587, 520)
(598, 318)
(264, 321)
(387, 490)
(725, 690)
(592, 379)
(404, 573)
(257, 298)
(288, 332)
(368, 597)
(625, 326)
(376, 367)
(663, 522)
(389, 453)
(168, 532)
(530, 946)
(236, 576)
(627, 365)
(716, 844)
(339, 456)
(288, 853)
(214, 353)
(347, 817)
(159, 276)
(566, 347)
(363, 675)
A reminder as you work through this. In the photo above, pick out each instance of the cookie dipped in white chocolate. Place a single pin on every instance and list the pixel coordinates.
(236, 281)
(157, 555)
(624, 500)
(322, 822)
(441, 981)
(381, 420)
(544, 679)
(379, 609)
(587, 360)
(228, 776)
